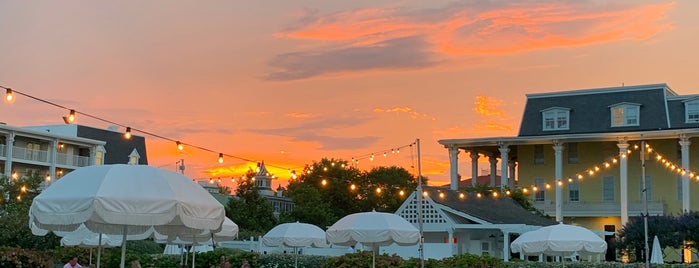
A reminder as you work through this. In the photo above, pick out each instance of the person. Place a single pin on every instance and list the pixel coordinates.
(226, 264)
(72, 263)
(245, 264)
(135, 264)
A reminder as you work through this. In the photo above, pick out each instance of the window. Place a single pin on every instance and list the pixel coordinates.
(485, 248)
(33, 151)
(538, 154)
(555, 118)
(691, 111)
(649, 190)
(625, 114)
(540, 194)
(608, 189)
(573, 153)
(574, 191)
(98, 157)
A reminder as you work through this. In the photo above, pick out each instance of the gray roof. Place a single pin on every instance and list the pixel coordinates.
(118, 148)
(590, 110)
(495, 210)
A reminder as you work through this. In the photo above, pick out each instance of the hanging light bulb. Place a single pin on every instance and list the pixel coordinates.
(401, 193)
(462, 195)
(220, 158)
(48, 177)
(71, 116)
(179, 145)
(378, 190)
(9, 97)
(127, 133)
(353, 187)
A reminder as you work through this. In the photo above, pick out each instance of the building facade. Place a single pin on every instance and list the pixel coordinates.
(588, 157)
(53, 151)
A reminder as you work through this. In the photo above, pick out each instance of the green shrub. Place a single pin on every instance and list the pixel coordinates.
(287, 260)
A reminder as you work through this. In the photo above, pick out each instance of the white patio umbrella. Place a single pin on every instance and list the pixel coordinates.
(559, 240)
(295, 235)
(126, 200)
(657, 252)
(373, 229)
(228, 232)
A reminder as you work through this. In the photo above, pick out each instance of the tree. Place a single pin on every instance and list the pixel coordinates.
(632, 235)
(331, 189)
(309, 207)
(17, 196)
(249, 210)
(395, 184)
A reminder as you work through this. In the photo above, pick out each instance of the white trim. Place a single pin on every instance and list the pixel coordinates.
(591, 91)
(695, 101)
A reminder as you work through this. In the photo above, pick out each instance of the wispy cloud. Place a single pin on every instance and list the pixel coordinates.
(322, 131)
(404, 110)
(299, 115)
(400, 38)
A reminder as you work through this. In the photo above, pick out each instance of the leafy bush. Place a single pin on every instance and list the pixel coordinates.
(18, 257)
(364, 259)
(287, 260)
(470, 260)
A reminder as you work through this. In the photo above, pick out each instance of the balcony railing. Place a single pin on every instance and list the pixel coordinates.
(62, 159)
(72, 160)
(583, 209)
(2, 150)
(29, 154)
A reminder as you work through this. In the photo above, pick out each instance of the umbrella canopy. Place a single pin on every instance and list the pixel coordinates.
(560, 239)
(126, 200)
(86, 238)
(228, 232)
(295, 235)
(373, 228)
(657, 252)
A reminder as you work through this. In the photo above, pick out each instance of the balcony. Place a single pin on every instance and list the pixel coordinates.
(582, 209)
(21, 153)
(72, 160)
(30, 156)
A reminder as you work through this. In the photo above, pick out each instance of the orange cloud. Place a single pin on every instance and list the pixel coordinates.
(508, 28)
(487, 106)
(406, 110)
(299, 115)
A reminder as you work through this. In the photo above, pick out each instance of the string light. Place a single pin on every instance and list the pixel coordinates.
(179, 145)
(9, 97)
(220, 158)
(72, 116)
(127, 133)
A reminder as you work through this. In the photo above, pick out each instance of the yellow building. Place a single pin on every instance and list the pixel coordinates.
(578, 153)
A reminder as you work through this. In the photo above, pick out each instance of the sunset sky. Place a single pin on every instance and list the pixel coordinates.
(291, 82)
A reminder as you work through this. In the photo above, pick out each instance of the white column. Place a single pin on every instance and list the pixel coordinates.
(474, 168)
(503, 169)
(454, 165)
(684, 144)
(558, 150)
(623, 181)
(54, 156)
(506, 246)
(493, 169)
(450, 231)
(10, 144)
(513, 173)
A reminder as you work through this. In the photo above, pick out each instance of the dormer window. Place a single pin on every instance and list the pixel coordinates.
(556, 118)
(625, 114)
(691, 111)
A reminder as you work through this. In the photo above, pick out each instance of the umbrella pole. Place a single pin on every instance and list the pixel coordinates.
(123, 248)
(296, 262)
(99, 250)
(90, 256)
